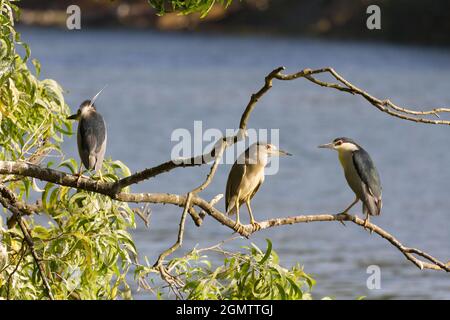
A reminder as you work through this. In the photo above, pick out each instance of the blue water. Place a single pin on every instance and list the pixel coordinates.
(160, 82)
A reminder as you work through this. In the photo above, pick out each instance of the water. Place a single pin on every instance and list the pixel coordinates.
(160, 82)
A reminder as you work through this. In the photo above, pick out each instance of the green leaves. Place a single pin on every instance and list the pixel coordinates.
(252, 274)
(268, 252)
(82, 237)
(187, 6)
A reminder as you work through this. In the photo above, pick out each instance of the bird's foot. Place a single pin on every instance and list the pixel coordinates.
(255, 226)
(79, 175)
(343, 214)
(366, 222)
(238, 227)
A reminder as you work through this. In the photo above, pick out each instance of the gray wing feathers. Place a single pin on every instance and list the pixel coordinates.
(234, 180)
(92, 140)
(371, 184)
(100, 156)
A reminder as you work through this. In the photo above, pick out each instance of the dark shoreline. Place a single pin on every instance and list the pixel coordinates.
(403, 22)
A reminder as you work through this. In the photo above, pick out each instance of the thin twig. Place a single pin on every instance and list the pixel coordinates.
(383, 105)
(165, 275)
(22, 252)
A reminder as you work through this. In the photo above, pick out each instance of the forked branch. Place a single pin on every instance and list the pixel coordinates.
(192, 201)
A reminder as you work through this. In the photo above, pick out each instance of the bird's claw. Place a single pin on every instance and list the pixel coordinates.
(256, 226)
(344, 214)
(366, 222)
(79, 175)
(238, 227)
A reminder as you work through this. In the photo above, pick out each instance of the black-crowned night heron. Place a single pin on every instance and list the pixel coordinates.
(91, 136)
(245, 178)
(361, 175)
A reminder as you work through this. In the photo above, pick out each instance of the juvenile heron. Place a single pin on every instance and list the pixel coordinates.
(361, 175)
(246, 176)
(91, 136)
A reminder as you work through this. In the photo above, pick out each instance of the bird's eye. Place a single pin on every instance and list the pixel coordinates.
(338, 143)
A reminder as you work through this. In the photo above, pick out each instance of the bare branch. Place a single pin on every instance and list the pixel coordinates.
(164, 198)
(434, 264)
(247, 230)
(55, 176)
(383, 105)
(166, 276)
(256, 96)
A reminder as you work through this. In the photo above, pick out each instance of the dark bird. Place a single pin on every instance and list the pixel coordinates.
(246, 176)
(361, 175)
(91, 136)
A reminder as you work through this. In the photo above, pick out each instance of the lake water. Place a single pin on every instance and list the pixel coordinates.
(161, 82)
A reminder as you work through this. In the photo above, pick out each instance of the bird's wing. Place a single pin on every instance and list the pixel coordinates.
(100, 130)
(235, 177)
(86, 143)
(369, 175)
(92, 134)
(257, 188)
(88, 139)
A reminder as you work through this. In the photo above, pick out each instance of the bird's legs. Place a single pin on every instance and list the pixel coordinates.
(366, 222)
(348, 208)
(238, 226)
(79, 174)
(100, 175)
(253, 222)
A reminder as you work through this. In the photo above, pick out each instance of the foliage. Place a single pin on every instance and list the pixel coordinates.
(249, 275)
(84, 243)
(187, 6)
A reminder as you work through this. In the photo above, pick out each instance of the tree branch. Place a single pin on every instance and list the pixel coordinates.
(408, 252)
(192, 200)
(383, 105)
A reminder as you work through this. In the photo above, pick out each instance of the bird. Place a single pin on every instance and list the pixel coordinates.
(91, 136)
(361, 175)
(245, 178)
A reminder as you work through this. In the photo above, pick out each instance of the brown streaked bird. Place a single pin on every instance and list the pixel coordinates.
(245, 178)
(361, 175)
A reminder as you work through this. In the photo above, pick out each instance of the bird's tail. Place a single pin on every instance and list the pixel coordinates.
(231, 211)
(372, 206)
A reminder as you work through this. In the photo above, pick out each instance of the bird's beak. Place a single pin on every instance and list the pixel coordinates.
(283, 153)
(327, 145)
(73, 117)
